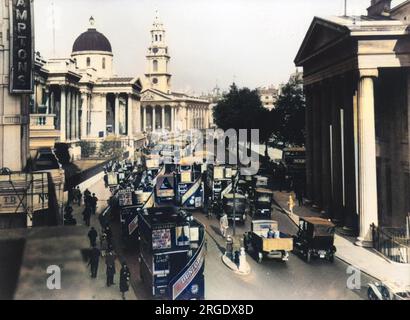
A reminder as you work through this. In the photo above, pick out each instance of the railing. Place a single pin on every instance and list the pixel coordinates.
(393, 243)
(42, 121)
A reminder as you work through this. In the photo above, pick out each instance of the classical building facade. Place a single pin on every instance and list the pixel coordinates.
(357, 85)
(161, 108)
(83, 98)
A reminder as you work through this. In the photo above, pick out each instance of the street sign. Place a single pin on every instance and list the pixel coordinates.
(23, 193)
(21, 46)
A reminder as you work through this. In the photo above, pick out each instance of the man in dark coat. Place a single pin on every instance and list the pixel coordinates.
(92, 235)
(87, 216)
(93, 203)
(124, 279)
(110, 263)
(87, 197)
(94, 260)
(108, 235)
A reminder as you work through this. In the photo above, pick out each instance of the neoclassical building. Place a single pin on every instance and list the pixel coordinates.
(82, 98)
(161, 108)
(357, 85)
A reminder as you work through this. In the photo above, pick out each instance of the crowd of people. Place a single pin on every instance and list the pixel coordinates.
(106, 251)
(105, 247)
(75, 198)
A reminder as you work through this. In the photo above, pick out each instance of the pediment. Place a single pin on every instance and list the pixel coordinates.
(153, 95)
(321, 34)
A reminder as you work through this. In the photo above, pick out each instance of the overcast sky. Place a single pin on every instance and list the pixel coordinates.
(210, 41)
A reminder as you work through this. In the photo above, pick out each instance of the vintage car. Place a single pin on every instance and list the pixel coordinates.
(235, 207)
(315, 238)
(265, 240)
(262, 203)
(388, 291)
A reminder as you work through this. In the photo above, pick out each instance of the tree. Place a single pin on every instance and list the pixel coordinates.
(243, 109)
(290, 113)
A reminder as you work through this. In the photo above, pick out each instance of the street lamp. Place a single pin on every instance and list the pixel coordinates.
(234, 185)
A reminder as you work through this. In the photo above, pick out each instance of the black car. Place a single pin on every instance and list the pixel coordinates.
(315, 238)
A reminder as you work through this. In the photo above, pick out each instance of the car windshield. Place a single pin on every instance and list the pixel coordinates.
(264, 198)
(323, 231)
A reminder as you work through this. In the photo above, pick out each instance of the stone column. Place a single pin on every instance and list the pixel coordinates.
(368, 209)
(63, 114)
(144, 118)
(349, 108)
(162, 117)
(309, 143)
(325, 152)
(154, 126)
(172, 119)
(84, 114)
(317, 158)
(77, 115)
(69, 113)
(117, 115)
(52, 102)
(47, 93)
(130, 106)
(336, 156)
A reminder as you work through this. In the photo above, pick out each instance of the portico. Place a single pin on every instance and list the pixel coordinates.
(356, 78)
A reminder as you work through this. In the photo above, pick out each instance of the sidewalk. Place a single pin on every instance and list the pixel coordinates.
(102, 292)
(365, 259)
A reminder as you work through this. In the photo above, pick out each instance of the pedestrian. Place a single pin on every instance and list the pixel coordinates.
(110, 263)
(87, 196)
(291, 203)
(108, 235)
(93, 204)
(124, 279)
(224, 224)
(79, 196)
(106, 180)
(92, 235)
(94, 260)
(87, 215)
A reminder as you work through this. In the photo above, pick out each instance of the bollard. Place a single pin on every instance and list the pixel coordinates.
(242, 261)
(229, 247)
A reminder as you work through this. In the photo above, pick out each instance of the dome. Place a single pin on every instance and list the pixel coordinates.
(92, 40)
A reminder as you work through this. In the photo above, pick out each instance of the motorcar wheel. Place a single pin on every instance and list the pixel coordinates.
(371, 295)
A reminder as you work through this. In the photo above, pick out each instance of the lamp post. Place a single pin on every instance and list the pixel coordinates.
(234, 185)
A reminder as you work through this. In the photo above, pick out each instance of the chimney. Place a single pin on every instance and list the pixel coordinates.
(379, 8)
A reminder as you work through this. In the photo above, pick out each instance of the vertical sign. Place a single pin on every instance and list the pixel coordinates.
(21, 46)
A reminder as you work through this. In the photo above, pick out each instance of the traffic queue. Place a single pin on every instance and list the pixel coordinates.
(152, 201)
(155, 200)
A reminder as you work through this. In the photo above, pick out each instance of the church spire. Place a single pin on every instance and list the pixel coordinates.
(157, 75)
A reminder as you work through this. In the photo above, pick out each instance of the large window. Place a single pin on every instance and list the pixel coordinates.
(103, 63)
(88, 61)
(155, 65)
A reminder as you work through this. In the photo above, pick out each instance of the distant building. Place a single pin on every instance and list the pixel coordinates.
(162, 108)
(269, 96)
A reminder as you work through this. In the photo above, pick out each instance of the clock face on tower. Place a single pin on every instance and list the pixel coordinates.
(155, 50)
(154, 80)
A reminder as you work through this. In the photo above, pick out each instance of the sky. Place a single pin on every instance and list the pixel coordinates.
(251, 42)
